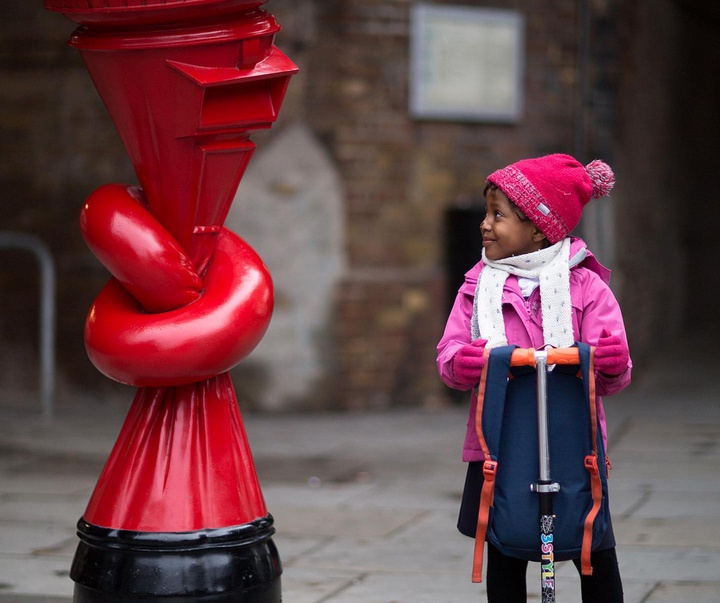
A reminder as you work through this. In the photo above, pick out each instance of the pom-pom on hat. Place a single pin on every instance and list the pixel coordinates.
(553, 190)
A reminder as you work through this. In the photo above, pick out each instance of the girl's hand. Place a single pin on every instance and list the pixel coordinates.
(611, 354)
(468, 363)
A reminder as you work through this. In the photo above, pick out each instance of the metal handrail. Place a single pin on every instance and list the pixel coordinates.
(47, 310)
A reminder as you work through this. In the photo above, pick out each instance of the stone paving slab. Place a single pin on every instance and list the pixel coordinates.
(415, 587)
(670, 563)
(46, 576)
(360, 523)
(55, 510)
(668, 532)
(18, 482)
(322, 495)
(302, 585)
(675, 505)
(685, 591)
(430, 543)
(622, 502)
(413, 496)
(687, 478)
(36, 538)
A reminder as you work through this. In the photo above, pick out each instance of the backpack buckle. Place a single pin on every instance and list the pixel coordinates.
(591, 464)
(489, 470)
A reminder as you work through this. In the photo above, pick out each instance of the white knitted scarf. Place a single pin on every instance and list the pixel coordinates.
(551, 266)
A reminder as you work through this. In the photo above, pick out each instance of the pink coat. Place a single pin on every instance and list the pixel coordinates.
(594, 309)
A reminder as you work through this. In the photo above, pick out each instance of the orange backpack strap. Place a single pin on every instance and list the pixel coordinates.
(489, 470)
(591, 464)
(486, 501)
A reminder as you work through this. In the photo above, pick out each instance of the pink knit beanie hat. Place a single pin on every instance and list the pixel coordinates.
(553, 190)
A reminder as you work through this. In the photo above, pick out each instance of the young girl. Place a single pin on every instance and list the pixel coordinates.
(535, 286)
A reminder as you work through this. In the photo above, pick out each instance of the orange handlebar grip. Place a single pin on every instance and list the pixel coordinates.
(523, 357)
(563, 356)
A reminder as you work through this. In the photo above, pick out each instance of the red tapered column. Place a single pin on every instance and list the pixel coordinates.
(177, 513)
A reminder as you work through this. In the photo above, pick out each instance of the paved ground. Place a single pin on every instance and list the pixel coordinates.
(365, 504)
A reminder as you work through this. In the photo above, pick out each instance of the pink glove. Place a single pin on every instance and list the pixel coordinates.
(468, 363)
(611, 354)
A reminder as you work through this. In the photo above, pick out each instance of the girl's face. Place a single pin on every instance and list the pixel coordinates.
(506, 231)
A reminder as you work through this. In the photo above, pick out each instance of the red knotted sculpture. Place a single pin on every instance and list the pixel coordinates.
(177, 512)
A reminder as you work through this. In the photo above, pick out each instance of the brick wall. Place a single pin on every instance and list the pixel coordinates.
(398, 175)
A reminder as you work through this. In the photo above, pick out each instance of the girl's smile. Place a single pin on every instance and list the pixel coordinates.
(506, 231)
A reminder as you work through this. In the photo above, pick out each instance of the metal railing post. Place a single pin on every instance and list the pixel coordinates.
(47, 310)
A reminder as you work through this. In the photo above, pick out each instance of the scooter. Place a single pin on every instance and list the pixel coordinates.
(510, 529)
(545, 487)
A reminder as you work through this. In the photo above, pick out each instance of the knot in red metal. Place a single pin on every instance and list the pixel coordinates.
(158, 322)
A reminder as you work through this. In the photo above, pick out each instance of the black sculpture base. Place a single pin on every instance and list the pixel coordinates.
(238, 564)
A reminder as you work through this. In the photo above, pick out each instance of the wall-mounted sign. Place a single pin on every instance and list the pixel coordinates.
(467, 63)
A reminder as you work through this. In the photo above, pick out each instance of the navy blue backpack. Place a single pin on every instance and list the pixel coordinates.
(507, 426)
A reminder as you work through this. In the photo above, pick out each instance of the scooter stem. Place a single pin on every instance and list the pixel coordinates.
(543, 440)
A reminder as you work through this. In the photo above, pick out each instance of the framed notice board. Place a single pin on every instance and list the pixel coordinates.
(466, 63)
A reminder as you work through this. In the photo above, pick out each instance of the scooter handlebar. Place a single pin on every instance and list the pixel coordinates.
(526, 356)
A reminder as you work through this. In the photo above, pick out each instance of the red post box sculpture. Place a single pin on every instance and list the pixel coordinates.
(177, 513)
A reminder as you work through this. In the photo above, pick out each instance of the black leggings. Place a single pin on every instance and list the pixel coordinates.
(506, 578)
